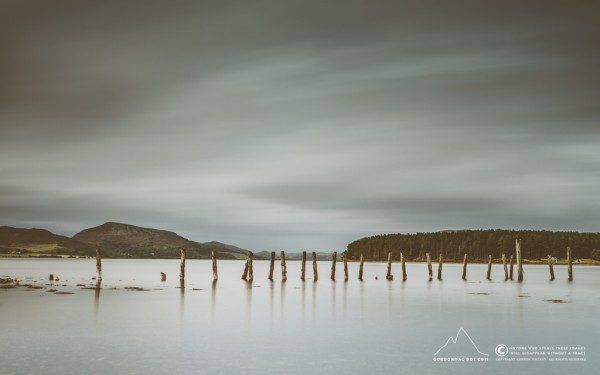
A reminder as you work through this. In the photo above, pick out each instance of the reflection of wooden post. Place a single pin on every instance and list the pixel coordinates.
(505, 267)
(440, 263)
(403, 266)
(163, 276)
(519, 261)
(214, 266)
(429, 268)
(360, 267)
(98, 264)
(569, 264)
(389, 275)
(464, 276)
(345, 266)
(283, 267)
(333, 260)
(510, 274)
(551, 266)
(182, 269)
(303, 271)
(272, 266)
(250, 266)
(314, 260)
(489, 272)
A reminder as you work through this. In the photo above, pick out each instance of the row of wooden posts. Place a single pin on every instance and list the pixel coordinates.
(248, 273)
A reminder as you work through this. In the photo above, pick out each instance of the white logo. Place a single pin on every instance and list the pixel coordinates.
(454, 340)
(501, 350)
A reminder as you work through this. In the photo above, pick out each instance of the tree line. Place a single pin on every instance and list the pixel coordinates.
(478, 244)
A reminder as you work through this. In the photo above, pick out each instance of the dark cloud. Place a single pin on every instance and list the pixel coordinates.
(300, 124)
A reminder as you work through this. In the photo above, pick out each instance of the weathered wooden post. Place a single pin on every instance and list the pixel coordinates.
(345, 266)
(519, 260)
(51, 277)
(512, 261)
(440, 264)
(505, 267)
(489, 271)
(98, 265)
(214, 266)
(464, 275)
(333, 260)
(389, 275)
(429, 268)
(303, 269)
(403, 266)
(272, 266)
(163, 276)
(569, 264)
(245, 273)
(250, 266)
(551, 266)
(314, 261)
(360, 267)
(283, 267)
(182, 269)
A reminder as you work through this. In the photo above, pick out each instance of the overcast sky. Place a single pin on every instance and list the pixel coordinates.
(300, 125)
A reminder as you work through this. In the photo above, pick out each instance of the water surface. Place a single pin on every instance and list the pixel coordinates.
(236, 327)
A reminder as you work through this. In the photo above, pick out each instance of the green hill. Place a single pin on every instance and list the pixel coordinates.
(35, 240)
(129, 241)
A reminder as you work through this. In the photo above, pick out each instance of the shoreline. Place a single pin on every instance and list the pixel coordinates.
(557, 262)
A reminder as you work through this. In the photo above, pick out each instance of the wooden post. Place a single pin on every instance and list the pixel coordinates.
(283, 267)
(314, 261)
(163, 276)
(51, 277)
(272, 266)
(464, 276)
(519, 261)
(510, 274)
(569, 264)
(303, 270)
(345, 266)
(333, 260)
(551, 266)
(360, 267)
(403, 266)
(389, 275)
(489, 271)
(505, 267)
(429, 268)
(182, 269)
(98, 265)
(250, 266)
(245, 273)
(214, 266)
(440, 264)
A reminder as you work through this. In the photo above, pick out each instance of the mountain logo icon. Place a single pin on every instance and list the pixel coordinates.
(462, 344)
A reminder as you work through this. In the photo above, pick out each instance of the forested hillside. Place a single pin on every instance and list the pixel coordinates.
(476, 243)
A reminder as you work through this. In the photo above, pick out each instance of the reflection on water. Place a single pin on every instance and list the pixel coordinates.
(249, 301)
(303, 302)
(373, 326)
(97, 301)
(314, 301)
(271, 301)
(213, 300)
(181, 301)
(282, 299)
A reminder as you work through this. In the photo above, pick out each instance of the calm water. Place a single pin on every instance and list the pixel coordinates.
(233, 327)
